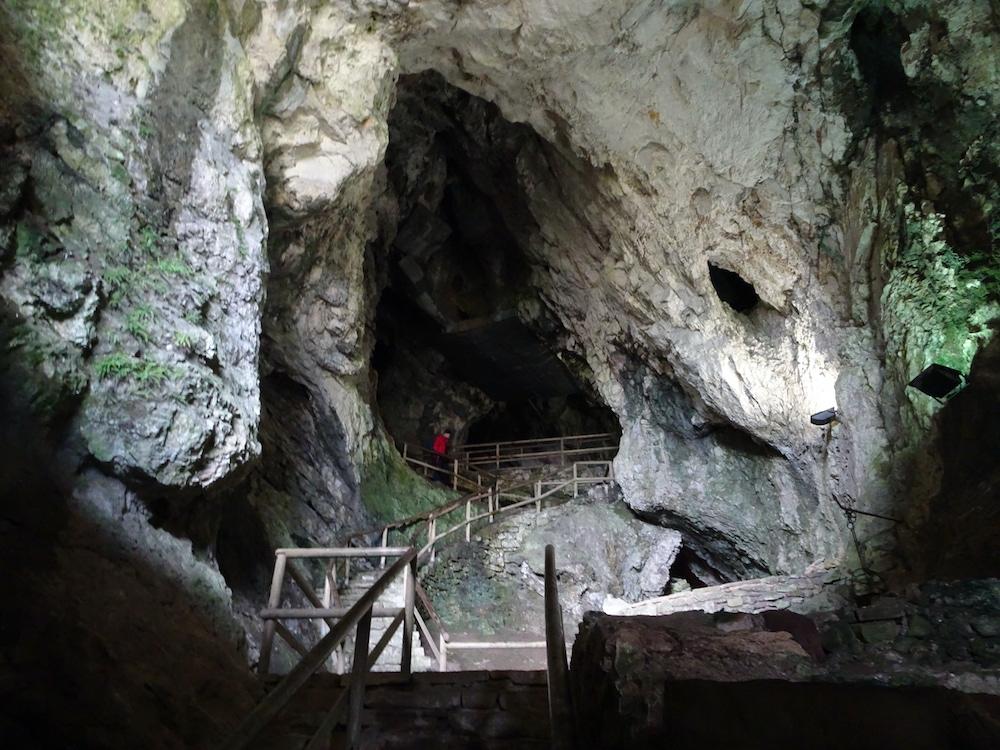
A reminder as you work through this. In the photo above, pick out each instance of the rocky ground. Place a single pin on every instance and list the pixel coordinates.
(491, 589)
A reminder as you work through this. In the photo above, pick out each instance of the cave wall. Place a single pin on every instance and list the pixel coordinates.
(747, 136)
(192, 196)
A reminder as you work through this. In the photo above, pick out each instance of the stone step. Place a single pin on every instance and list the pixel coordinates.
(489, 710)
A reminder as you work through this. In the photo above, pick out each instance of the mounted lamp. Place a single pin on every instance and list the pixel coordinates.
(824, 417)
(937, 381)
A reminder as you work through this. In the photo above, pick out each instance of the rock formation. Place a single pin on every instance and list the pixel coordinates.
(718, 218)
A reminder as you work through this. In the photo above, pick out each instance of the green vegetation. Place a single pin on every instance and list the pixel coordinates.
(241, 238)
(28, 241)
(939, 304)
(149, 240)
(138, 321)
(119, 366)
(391, 491)
(34, 23)
(121, 174)
(183, 339)
(174, 266)
(119, 281)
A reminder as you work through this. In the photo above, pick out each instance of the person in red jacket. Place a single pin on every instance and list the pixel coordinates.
(440, 447)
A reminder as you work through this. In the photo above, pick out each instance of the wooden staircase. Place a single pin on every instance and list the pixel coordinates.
(486, 710)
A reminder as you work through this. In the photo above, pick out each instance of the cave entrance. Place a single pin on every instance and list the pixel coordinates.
(733, 289)
(464, 341)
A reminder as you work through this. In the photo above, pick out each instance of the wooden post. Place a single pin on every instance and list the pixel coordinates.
(385, 540)
(409, 592)
(332, 582)
(490, 502)
(327, 601)
(431, 534)
(358, 671)
(576, 483)
(442, 653)
(538, 496)
(498, 456)
(561, 717)
(273, 602)
(562, 451)
(454, 476)
(347, 571)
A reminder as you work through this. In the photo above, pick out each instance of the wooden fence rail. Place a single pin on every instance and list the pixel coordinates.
(480, 507)
(358, 617)
(477, 464)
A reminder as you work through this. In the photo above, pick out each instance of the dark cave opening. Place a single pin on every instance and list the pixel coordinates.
(733, 289)
(877, 35)
(464, 341)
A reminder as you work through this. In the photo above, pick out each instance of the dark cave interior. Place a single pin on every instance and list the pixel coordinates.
(463, 340)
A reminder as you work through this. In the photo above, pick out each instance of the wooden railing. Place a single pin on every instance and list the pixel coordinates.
(358, 616)
(562, 723)
(446, 468)
(483, 507)
(515, 453)
(491, 499)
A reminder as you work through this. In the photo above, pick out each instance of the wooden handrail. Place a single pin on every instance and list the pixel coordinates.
(456, 468)
(432, 629)
(542, 440)
(359, 615)
(503, 462)
(436, 512)
(562, 724)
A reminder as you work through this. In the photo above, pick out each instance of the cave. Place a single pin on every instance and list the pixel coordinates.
(732, 289)
(464, 341)
(256, 256)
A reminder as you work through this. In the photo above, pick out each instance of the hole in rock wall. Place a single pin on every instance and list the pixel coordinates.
(876, 38)
(733, 289)
(463, 339)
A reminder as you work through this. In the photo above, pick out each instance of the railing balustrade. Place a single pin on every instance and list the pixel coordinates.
(476, 464)
(416, 614)
(356, 617)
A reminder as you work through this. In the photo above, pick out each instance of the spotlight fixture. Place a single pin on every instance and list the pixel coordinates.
(824, 417)
(937, 381)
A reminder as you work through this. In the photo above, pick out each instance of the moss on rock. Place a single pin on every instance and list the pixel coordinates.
(391, 491)
(939, 305)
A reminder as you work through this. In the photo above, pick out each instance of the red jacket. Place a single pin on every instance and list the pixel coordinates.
(440, 444)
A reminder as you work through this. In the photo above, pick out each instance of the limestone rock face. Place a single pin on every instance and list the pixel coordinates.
(602, 552)
(680, 135)
(663, 139)
(139, 226)
(194, 206)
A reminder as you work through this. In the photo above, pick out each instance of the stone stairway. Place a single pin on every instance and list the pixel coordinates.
(440, 710)
(394, 596)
